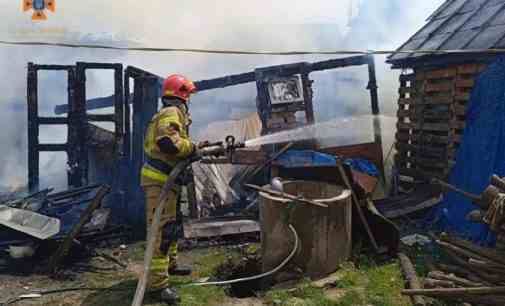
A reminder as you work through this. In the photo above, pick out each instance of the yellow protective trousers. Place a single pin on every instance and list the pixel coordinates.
(165, 251)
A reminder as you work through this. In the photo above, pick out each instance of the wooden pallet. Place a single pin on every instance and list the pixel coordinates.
(431, 117)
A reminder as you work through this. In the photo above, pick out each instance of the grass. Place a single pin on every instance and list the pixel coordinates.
(361, 282)
(369, 284)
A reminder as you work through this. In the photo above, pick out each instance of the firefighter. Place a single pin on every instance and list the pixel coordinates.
(166, 142)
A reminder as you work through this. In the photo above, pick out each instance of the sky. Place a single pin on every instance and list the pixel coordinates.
(280, 25)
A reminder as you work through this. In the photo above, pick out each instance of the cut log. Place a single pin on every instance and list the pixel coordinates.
(431, 283)
(486, 276)
(454, 279)
(451, 269)
(464, 253)
(490, 254)
(498, 182)
(476, 216)
(455, 291)
(492, 267)
(410, 276)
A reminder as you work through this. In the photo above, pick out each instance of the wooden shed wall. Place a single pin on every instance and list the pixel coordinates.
(431, 117)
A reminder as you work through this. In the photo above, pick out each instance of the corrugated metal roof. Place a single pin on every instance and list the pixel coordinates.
(458, 24)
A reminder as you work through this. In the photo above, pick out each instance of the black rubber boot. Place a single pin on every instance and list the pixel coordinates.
(170, 296)
(179, 271)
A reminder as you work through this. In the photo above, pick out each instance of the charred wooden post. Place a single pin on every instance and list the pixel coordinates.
(34, 121)
(119, 118)
(77, 154)
(374, 97)
(145, 105)
(33, 129)
(372, 85)
(411, 277)
(127, 113)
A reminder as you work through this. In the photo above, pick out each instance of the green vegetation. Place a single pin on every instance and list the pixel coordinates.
(360, 282)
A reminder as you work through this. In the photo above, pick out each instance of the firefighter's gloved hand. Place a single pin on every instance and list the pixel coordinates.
(197, 152)
(167, 145)
(203, 144)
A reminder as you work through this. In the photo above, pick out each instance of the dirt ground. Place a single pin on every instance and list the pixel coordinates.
(374, 285)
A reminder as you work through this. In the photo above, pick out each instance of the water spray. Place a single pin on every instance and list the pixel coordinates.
(341, 131)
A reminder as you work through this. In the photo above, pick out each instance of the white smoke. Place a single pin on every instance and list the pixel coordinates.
(225, 24)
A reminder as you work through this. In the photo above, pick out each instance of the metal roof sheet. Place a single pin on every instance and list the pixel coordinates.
(458, 24)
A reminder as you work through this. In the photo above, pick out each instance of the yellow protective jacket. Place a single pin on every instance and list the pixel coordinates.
(169, 122)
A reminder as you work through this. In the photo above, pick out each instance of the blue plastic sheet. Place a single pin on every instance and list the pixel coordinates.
(480, 155)
(309, 158)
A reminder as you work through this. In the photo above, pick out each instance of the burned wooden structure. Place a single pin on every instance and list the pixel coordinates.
(435, 88)
(76, 120)
(130, 122)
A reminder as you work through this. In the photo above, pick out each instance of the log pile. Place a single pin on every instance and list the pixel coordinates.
(472, 274)
(493, 214)
(491, 206)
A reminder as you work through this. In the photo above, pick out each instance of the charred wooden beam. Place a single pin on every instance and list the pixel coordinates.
(340, 63)
(237, 79)
(52, 67)
(63, 249)
(106, 66)
(226, 81)
(102, 117)
(52, 147)
(53, 120)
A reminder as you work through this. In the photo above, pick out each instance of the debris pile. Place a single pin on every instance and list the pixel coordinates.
(468, 273)
(48, 225)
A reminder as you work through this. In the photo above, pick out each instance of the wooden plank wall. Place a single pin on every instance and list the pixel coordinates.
(431, 118)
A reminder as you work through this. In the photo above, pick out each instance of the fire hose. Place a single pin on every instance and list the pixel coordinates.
(268, 273)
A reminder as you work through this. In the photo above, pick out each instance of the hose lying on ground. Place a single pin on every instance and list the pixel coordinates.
(246, 279)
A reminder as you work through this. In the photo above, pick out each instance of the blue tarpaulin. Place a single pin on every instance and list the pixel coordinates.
(310, 158)
(481, 154)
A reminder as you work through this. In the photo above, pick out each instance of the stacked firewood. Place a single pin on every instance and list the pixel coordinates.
(472, 274)
(492, 211)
